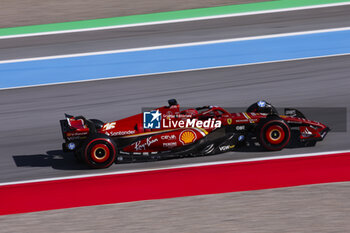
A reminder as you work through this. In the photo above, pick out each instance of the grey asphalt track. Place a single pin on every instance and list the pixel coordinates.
(30, 136)
(205, 30)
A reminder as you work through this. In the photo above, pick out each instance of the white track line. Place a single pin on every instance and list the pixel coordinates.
(191, 165)
(269, 36)
(173, 72)
(178, 20)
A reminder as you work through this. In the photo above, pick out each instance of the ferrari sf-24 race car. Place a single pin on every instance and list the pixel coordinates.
(170, 132)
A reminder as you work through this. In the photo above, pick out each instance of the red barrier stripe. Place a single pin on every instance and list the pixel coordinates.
(169, 183)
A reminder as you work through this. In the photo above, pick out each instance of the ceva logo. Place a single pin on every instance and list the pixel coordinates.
(152, 119)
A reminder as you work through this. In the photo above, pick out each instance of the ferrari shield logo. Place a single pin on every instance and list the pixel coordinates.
(229, 121)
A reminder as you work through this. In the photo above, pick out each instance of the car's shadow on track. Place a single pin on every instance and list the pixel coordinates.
(54, 158)
(59, 160)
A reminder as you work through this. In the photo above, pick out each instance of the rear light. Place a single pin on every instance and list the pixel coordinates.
(71, 146)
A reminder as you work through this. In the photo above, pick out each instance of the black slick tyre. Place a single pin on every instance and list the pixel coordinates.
(273, 134)
(99, 152)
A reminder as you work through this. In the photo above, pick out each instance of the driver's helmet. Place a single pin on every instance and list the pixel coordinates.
(262, 106)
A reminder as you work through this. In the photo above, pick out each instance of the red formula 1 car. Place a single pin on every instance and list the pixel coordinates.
(168, 132)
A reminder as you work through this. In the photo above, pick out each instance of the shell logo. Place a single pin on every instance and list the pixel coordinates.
(188, 136)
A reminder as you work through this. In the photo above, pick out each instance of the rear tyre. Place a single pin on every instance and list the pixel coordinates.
(99, 152)
(273, 134)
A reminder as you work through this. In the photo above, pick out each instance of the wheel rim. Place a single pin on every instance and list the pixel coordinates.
(100, 153)
(275, 134)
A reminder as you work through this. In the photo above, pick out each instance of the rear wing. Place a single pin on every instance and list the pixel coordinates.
(74, 128)
(75, 123)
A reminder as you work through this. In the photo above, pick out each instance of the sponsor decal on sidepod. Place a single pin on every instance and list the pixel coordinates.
(187, 136)
(142, 146)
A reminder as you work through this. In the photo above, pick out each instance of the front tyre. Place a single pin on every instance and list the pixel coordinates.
(274, 134)
(99, 152)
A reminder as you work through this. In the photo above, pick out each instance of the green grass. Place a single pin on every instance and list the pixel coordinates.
(172, 15)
